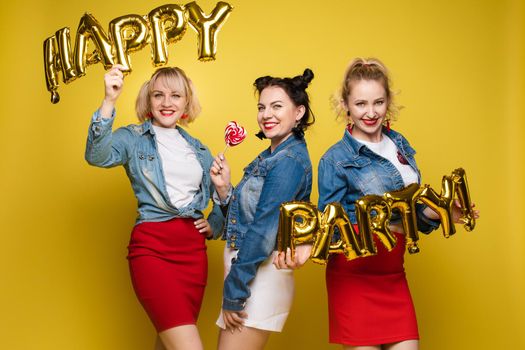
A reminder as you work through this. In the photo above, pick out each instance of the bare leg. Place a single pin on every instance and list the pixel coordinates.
(366, 347)
(403, 345)
(247, 339)
(180, 338)
(158, 344)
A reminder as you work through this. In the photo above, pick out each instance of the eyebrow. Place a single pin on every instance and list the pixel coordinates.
(365, 100)
(172, 92)
(271, 103)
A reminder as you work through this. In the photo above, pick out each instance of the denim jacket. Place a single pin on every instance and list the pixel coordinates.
(253, 214)
(349, 170)
(135, 148)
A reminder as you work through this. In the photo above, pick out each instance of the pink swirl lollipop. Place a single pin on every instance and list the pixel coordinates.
(233, 134)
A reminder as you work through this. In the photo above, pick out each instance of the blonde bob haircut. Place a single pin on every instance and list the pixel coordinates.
(175, 79)
(366, 69)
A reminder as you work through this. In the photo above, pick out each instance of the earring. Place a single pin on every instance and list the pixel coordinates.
(149, 115)
(350, 127)
(184, 116)
(260, 135)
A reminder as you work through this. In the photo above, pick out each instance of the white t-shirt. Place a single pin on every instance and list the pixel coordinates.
(387, 149)
(182, 170)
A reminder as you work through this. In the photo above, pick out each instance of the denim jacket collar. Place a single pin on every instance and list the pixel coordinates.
(147, 126)
(355, 147)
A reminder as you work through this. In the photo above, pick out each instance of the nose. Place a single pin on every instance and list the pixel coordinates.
(371, 111)
(267, 113)
(166, 100)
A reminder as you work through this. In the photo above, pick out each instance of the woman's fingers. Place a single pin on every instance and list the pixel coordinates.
(234, 320)
(203, 226)
(289, 261)
(279, 261)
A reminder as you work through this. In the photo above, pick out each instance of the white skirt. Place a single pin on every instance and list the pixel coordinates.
(272, 292)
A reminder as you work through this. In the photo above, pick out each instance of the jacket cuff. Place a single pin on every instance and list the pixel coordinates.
(233, 305)
(426, 224)
(99, 124)
(217, 200)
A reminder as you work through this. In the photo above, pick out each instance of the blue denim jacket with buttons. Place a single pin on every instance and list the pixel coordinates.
(349, 170)
(135, 148)
(253, 213)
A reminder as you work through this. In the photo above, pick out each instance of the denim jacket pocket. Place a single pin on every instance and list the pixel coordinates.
(357, 162)
(363, 177)
(251, 192)
(145, 162)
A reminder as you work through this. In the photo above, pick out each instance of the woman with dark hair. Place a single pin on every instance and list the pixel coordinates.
(168, 170)
(257, 297)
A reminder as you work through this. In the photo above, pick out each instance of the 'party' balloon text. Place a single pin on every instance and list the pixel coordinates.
(302, 222)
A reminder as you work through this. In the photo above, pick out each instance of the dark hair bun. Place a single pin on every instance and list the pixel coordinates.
(302, 81)
(262, 82)
(308, 75)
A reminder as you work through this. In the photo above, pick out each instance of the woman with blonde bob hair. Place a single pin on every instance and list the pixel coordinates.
(175, 79)
(169, 173)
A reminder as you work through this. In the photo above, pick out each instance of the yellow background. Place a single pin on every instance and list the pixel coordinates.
(458, 65)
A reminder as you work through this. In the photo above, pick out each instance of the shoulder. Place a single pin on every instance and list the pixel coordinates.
(294, 156)
(133, 129)
(335, 153)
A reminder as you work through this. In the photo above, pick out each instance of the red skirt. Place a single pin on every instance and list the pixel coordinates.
(369, 302)
(169, 268)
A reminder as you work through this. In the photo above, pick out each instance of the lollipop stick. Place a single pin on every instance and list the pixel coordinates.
(225, 148)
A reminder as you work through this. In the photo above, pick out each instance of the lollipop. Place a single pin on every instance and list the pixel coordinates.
(233, 134)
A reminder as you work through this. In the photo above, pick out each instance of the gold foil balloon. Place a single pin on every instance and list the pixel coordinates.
(334, 216)
(69, 72)
(51, 68)
(301, 222)
(129, 33)
(373, 215)
(168, 25)
(460, 178)
(90, 29)
(441, 204)
(207, 27)
(404, 200)
(298, 224)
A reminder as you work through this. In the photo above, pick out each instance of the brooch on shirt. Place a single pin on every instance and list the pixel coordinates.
(401, 159)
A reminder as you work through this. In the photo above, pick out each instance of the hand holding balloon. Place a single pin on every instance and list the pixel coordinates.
(284, 260)
(113, 83)
(457, 213)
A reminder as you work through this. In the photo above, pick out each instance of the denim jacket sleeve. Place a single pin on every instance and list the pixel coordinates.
(332, 184)
(425, 224)
(282, 183)
(216, 221)
(105, 148)
(217, 216)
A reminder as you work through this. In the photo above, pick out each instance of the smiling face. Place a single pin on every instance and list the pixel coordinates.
(277, 114)
(167, 101)
(368, 104)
